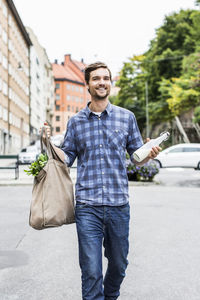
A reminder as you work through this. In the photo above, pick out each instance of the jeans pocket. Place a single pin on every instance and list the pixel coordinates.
(124, 208)
(80, 205)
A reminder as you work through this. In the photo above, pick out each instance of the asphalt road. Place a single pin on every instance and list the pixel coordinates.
(164, 253)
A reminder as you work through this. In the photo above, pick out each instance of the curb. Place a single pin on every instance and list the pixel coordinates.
(19, 182)
(15, 183)
(143, 183)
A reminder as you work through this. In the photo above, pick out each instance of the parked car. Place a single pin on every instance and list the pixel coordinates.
(28, 155)
(180, 155)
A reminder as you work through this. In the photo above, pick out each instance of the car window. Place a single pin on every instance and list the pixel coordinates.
(191, 149)
(175, 150)
(23, 150)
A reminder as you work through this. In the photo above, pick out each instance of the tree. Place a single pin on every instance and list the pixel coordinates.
(164, 66)
(183, 93)
(132, 88)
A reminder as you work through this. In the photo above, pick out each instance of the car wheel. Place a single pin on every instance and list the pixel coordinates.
(158, 163)
(198, 166)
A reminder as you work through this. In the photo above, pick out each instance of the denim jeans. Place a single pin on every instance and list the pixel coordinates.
(107, 226)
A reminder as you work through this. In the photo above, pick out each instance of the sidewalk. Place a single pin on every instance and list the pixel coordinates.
(7, 177)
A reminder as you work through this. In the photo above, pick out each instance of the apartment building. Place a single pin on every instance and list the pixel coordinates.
(14, 80)
(71, 94)
(41, 87)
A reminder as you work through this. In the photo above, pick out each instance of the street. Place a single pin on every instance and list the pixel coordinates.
(164, 245)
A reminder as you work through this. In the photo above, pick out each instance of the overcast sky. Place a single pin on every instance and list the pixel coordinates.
(105, 30)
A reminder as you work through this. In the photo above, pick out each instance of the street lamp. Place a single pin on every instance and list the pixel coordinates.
(147, 108)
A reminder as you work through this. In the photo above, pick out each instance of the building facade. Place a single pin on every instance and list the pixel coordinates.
(41, 87)
(14, 80)
(71, 94)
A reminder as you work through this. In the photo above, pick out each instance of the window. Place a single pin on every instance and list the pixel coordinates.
(191, 149)
(57, 107)
(81, 90)
(5, 37)
(68, 86)
(76, 109)
(57, 85)
(5, 11)
(57, 97)
(57, 118)
(5, 62)
(68, 107)
(5, 88)
(68, 97)
(57, 129)
(176, 150)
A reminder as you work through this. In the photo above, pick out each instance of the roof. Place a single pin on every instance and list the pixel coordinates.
(19, 22)
(64, 72)
(79, 64)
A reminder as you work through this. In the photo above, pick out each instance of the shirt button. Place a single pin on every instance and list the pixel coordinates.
(102, 173)
(100, 131)
(100, 145)
(101, 158)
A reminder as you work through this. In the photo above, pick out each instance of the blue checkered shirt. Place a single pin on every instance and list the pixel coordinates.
(100, 145)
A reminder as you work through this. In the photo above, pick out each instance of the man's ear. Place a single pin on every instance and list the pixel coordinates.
(87, 86)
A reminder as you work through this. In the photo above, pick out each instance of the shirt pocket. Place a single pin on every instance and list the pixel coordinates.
(117, 138)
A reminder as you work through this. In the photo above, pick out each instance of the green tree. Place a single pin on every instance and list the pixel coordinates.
(183, 93)
(165, 67)
(132, 88)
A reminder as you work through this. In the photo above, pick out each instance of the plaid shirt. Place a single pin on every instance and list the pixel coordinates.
(100, 144)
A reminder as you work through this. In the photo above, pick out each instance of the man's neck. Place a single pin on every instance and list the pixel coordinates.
(98, 105)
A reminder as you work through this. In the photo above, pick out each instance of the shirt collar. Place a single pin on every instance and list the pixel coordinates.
(88, 112)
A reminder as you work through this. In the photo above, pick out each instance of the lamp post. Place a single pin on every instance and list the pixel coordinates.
(147, 108)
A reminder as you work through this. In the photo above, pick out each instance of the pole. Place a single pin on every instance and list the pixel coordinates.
(147, 109)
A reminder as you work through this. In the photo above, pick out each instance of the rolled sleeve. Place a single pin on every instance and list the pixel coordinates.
(69, 145)
(134, 138)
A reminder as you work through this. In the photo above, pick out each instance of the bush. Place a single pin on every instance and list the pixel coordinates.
(142, 173)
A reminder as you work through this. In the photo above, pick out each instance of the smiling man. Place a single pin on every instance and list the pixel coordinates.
(99, 137)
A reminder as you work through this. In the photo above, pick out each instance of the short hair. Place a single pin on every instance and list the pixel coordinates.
(95, 66)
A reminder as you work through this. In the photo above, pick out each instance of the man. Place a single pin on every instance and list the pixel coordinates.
(98, 136)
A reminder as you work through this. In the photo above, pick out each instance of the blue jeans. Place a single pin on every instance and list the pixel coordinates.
(107, 225)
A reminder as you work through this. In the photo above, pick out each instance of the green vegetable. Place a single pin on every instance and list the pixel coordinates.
(37, 165)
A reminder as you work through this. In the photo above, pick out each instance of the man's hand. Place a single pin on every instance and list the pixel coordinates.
(154, 151)
(48, 130)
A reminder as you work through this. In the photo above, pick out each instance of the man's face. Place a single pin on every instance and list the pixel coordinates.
(99, 84)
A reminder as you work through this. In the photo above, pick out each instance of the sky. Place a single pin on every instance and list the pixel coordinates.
(108, 30)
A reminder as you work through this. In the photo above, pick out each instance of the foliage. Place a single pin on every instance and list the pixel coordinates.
(171, 66)
(197, 115)
(132, 89)
(142, 173)
(37, 165)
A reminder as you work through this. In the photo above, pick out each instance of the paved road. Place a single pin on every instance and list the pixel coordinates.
(164, 248)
